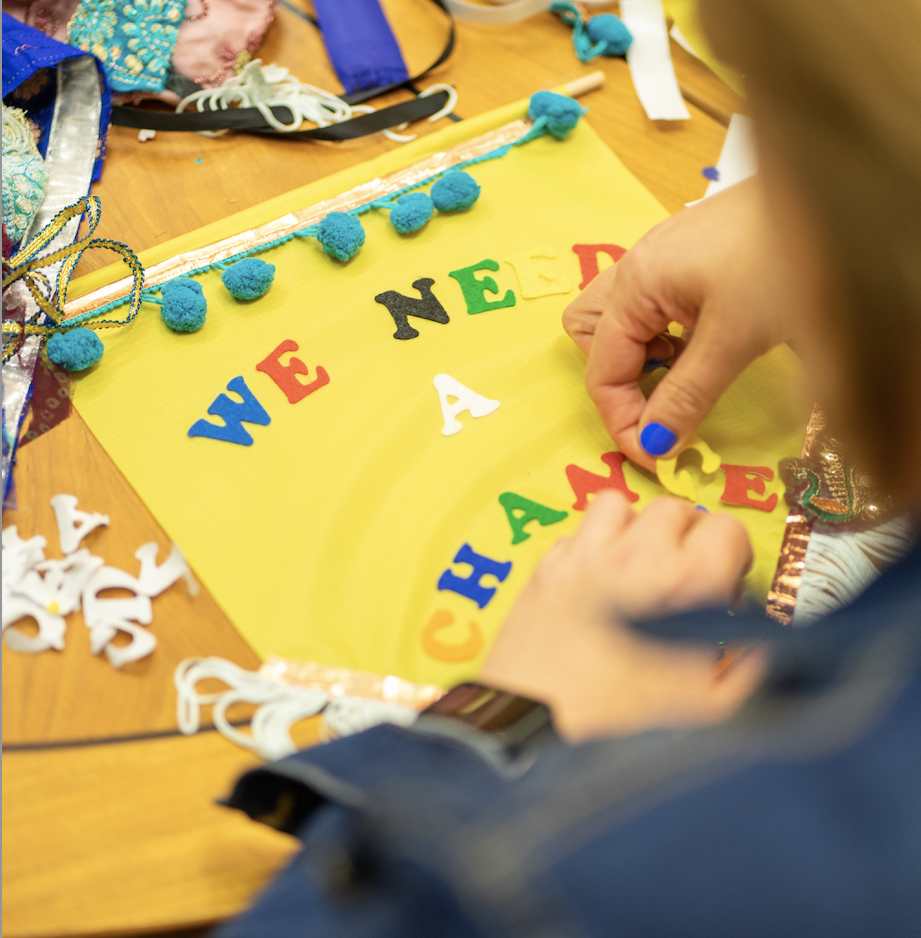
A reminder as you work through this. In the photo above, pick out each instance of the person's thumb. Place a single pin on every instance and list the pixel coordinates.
(686, 395)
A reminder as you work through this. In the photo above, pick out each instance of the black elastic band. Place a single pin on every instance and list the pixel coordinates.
(251, 119)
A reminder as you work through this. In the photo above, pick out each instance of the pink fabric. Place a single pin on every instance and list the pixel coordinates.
(49, 16)
(211, 39)
(214, 35)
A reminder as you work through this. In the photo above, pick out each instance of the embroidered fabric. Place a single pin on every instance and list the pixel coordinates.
(24, 174)
(133, 40)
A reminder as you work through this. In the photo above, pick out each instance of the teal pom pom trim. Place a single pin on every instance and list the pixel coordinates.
(411, 212)
(608, 29)
(341, 235)
(455, 192)
(183, 305)
(248, 279)
(75, 350)
(561, 113)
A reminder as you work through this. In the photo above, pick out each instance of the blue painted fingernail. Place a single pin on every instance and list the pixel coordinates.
(654, 363)
(657, 439)
(701, 508)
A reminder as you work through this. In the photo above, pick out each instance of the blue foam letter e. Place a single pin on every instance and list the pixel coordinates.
(470, 586)
(234, 415)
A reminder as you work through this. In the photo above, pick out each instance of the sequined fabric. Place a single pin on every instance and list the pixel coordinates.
(134, 40)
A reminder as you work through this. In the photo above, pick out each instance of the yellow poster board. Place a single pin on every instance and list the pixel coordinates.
(326, 538)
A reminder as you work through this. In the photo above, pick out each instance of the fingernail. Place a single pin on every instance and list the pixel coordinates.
(657, 439)
(654, 363)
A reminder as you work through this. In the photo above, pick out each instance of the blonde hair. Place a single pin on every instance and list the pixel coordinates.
(841, 81)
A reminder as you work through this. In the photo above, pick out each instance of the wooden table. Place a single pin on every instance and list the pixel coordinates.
(110, 823)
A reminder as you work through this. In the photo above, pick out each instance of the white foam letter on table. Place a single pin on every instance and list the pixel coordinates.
(142, 643)
(69, 517)
(650, 60)
(60, 588)
(19, 556)
(466, 400)
(51, 628)
(153, 579)
(113, 612)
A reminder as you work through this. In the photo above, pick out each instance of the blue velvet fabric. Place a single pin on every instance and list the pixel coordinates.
(360, 44)
(29, 57)
(800, 818)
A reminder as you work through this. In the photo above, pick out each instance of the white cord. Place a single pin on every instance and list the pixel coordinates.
(279, 707)
(266, 86)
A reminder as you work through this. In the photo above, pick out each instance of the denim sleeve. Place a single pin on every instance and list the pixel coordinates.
(341, 883)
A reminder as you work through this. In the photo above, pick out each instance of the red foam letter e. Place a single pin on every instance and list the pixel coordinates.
(588, 259)
(739, 483)
(285, 376)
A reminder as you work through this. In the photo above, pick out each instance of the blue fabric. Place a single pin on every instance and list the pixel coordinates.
(360, 44)
(800, 818)
(27, 52)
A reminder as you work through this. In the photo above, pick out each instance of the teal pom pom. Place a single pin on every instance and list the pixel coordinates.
(455, 192)
(412, 212)
(248, 279)
(341, 235)
(562, 113)
(183, 306)
(75, 350)
(610, 30)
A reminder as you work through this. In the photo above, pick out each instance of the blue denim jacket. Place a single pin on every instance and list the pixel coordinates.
(799, 817)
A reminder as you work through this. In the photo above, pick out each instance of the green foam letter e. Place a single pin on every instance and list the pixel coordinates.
(475, 290)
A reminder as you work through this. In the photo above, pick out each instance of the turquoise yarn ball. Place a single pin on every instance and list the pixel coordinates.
(184, 305)
(248, 279)
(341, 235)
(562, 113)
(455, 192)
(609, 29)
(75, 350)
(412, 212)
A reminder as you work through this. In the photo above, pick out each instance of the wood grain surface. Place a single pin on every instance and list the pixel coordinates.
(109, 837)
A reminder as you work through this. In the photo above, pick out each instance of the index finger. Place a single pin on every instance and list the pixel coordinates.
(616, 364)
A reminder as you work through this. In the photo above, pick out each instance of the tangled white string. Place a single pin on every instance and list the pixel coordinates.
(267, 86)
(278, 707)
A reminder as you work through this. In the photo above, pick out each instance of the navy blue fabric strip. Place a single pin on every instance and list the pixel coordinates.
(360, 44)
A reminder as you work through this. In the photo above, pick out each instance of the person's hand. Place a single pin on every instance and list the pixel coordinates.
(708, 268)
(566, 642)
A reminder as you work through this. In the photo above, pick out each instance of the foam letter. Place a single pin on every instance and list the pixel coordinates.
(233, 415)
(470, 586)
(466, 400)
(74, 525)
(588, 259)
(681, 483)
(285, 376)
(585, 483)
(530, 511)
(402, 306)
(445, 651)
(738, 485)
(475, 290)
(537, 279)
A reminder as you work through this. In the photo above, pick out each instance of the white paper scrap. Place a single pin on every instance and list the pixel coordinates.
(73, 524)
(650, 60)
(738, 158)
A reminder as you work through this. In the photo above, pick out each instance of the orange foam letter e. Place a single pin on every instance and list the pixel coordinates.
(739, 483)
(585, 483)
(588, 259)
(285, 376)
